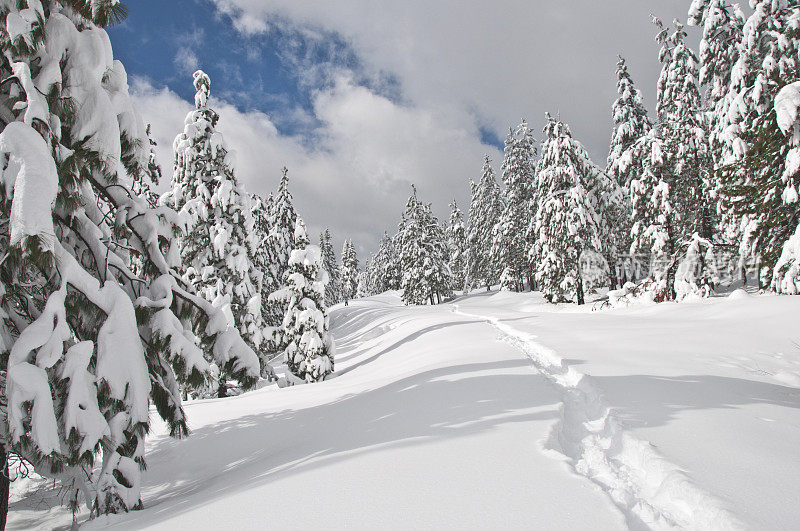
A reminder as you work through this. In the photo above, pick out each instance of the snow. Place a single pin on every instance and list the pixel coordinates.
(704, 383)
(787, 103)
(31, 177)
(82, 412)
(501, 411)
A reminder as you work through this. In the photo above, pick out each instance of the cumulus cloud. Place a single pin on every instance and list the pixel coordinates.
(354, 171)
(496, 61)
(402, 92)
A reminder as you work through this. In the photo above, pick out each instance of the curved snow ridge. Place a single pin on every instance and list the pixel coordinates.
(649, 489)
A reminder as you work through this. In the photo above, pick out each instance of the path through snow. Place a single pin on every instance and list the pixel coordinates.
(652, 492)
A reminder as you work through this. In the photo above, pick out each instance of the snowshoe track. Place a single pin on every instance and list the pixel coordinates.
(652, 492)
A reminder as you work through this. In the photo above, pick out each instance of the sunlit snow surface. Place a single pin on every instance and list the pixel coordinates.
(500, 411)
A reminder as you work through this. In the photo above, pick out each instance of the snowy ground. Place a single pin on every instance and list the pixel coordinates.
(501, 411)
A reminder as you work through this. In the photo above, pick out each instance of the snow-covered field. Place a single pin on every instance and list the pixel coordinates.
(500, 411)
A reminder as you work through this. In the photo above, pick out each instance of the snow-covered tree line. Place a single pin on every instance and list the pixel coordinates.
(98, 320)
(111, 298)
(714, 171)
(249, 256)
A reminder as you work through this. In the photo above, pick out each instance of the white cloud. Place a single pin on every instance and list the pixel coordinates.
(186, 60)
(497, 61)
(356, 171)
(458, 66)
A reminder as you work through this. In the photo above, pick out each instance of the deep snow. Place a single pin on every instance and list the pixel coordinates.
(500, 411)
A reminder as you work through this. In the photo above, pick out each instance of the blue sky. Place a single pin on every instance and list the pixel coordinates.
(166, 41)
(362, 98)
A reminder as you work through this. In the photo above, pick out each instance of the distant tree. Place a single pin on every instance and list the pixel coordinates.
(349, 271)
(631, 124)
(485, 209)
(333, 291)
(308, 347)
(422, 250)
(386, 268)
(457, 245)
(283, 218)
(512, 234)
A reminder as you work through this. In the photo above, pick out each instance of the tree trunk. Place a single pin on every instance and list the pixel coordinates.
(5, 487)
(579, 283)
(222, 392)
(612, 273)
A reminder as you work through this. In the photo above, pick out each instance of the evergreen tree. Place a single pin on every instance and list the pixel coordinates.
(283, 219)
(786, 273)
(86, 340)
(768, 198)
(219, 248)
(754, 176)
(630, 125)
(512, 235)
(413, 252)
(723, 26)
(349, 271)
(423, 257)
(333, 288)
(387, 273)
(264, 259)
(766, 57)
(440, 278)
(457, 242)
(485, 209)
(308, 348)
(567, 223)
(363, 288)
(672, 198)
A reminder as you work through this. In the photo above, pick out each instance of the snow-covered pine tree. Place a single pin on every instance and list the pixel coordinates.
(333, 289)
(685, 132)
(219, 248)
(375, 285)
(412, 252)
(486, 207)
(263, 259)
(387, 273)
(786, 273)
(349, 270)
(86, 341)
(283, 218)
(722, 25)
(630, 125)
(512, 235)
(753, 184)
(423, 256)
(766, 57)
(363, 289)
(457, 243)
(672, 198)
(567, 223)
(308, 347)
(438, 271)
